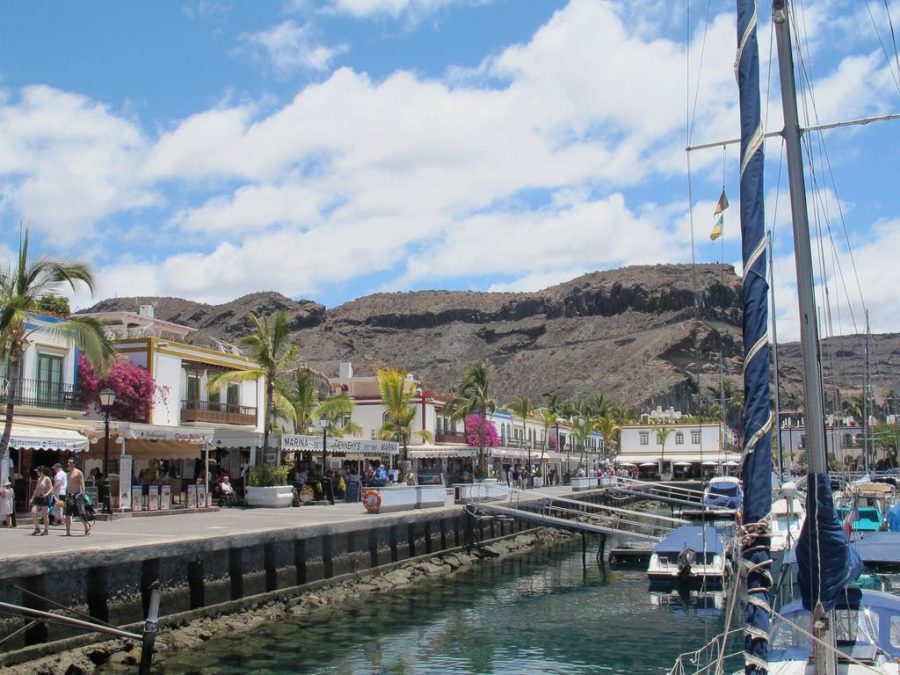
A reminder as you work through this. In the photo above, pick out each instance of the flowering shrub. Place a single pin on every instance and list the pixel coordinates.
(474, 437)
(133, 385)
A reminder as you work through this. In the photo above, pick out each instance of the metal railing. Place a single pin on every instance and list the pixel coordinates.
(228, 413)
(43, 394)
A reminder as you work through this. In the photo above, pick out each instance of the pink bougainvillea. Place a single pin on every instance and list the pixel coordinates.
(474, 438)
(134, 387)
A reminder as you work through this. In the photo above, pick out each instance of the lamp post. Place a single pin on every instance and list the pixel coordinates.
(107, 400)
(327, 489)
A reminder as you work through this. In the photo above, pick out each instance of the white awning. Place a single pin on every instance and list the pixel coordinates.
(132, 431)
(47, 438)
(439, 452)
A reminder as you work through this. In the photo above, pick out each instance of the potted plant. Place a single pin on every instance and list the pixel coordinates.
(539, 478)
(306, 494)
(268, 486)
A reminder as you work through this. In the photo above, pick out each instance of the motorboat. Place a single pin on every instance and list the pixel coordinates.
(862, 518)
(724, 492)
(785, 522)
(690, 555)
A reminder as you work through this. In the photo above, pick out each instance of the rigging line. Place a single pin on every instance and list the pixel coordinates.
(687, 130)
(693, 113)
(887, 57)
(887, 10)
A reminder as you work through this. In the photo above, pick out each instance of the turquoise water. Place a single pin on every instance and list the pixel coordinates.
(538, 614)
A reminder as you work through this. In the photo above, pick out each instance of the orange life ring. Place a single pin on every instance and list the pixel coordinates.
(371, 500)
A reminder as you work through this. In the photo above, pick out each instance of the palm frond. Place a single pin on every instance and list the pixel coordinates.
(89, 335)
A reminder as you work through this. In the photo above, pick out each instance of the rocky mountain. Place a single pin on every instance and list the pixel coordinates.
(643, 335)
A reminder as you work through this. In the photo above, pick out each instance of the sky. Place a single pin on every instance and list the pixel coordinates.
(329, 149)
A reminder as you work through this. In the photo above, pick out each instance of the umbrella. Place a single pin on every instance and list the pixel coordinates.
(709, 463)
(626, 463)
(648, 464)
(731, 462)
(682, 463)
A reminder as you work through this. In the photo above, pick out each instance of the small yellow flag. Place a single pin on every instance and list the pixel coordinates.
(717, 228)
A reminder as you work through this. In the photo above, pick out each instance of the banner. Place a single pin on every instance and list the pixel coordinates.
(165, 498)
(192, 496)
(125, 468)
(153, 498)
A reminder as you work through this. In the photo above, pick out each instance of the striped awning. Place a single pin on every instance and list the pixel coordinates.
(46, 438)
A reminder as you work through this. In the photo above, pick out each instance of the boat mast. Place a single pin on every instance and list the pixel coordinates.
(809, 330)
(865, 410)
(775, 359)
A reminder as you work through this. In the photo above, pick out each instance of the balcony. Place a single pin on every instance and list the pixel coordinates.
(41, 394)
(218, 413)
(450, 437)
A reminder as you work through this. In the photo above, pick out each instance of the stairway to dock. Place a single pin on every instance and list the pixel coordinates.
(574, 515)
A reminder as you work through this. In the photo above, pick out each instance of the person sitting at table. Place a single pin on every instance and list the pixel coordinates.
(226, 491)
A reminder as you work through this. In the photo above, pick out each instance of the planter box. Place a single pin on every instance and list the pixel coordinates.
(271, 497)
(428, 496)
(470, 492)
(608, 481)
(392, 498)
(582, 482)
(538, 481)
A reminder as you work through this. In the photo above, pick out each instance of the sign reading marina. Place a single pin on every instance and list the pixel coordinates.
(349, 446)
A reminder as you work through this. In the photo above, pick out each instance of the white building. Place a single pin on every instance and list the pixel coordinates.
(692, 448)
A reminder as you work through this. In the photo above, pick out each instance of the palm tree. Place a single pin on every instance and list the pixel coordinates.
(522, 408)
(608, 427)
(272, 355)
(548, 419)
(397, 393)
(338, 411)
(21, 292)
(662, 435)
(473, 397)
(581, 429)
(305, 398)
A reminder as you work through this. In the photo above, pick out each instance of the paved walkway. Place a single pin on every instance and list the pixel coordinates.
(18, 544)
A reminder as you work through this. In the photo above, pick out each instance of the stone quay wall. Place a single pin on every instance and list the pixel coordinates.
(115, 585)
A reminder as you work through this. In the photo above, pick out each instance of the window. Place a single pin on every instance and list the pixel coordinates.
(679, 438)
(695, 437)
(193, 386)
(645, 438)
(214, 398)
(233, 394)
(49, 384)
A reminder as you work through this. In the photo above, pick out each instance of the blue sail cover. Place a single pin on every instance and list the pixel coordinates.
(757, 464)
(826, 562)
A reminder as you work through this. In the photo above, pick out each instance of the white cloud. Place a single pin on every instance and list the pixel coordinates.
(291, 47)
(414, 9)
(67, 162)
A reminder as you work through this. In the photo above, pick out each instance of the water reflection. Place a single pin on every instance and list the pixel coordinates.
(540, 614)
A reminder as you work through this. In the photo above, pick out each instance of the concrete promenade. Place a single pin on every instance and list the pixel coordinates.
(17, 545)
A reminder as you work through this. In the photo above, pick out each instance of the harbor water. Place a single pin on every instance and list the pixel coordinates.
(541, 613)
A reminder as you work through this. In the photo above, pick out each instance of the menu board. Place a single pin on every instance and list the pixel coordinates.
(192, 496)
(165, 498)
(153, 497)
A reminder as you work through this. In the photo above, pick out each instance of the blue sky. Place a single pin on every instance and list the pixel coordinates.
(329, 149)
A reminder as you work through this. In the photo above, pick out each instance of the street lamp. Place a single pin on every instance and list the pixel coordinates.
(107, 400)
(327, 489)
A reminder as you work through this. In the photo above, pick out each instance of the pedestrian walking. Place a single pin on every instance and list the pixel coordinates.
(75, 497)
(41, 500)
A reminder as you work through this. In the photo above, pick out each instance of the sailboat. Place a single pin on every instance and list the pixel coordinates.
(832, 628)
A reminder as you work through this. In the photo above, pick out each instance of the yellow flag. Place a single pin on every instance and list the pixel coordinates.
(717, 229)
(722, 204)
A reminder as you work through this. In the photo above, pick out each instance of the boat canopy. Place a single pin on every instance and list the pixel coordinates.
(696, 537)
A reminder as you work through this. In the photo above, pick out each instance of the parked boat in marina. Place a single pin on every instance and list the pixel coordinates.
(724, 492)
(786, 520)
(691, 555)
